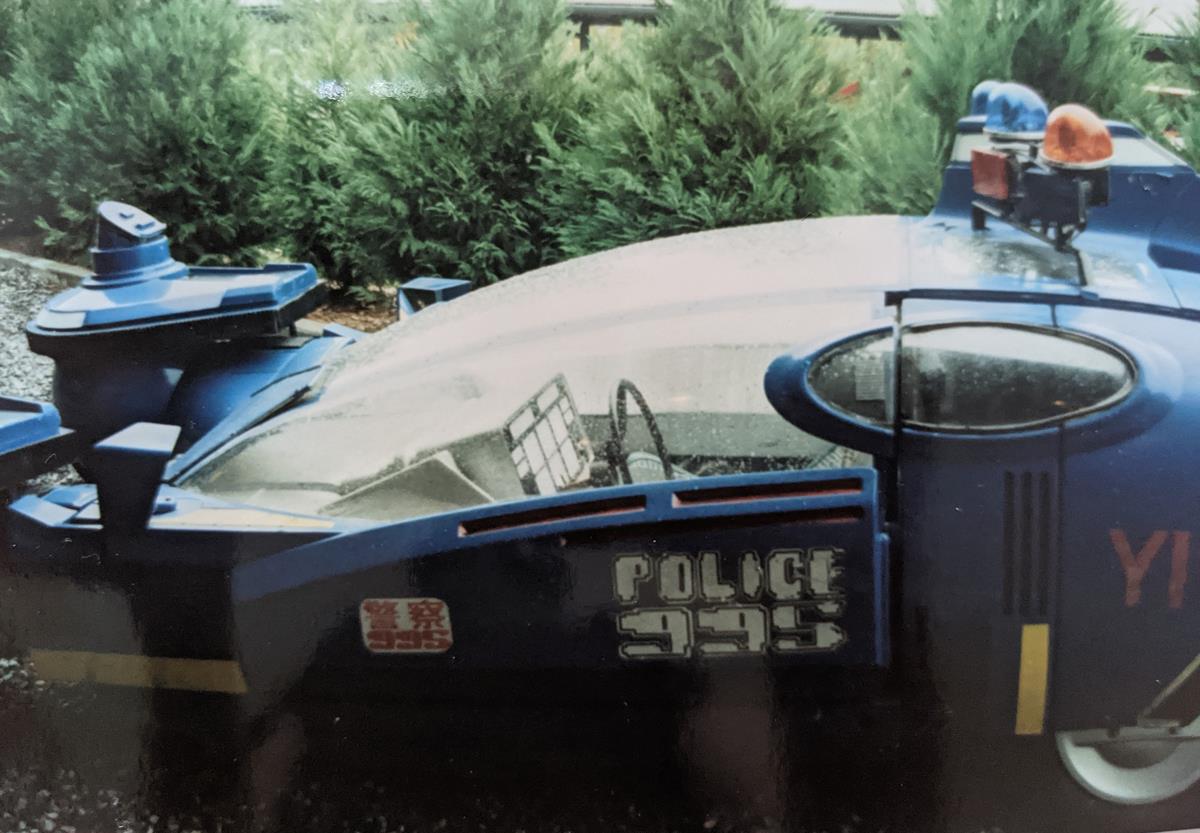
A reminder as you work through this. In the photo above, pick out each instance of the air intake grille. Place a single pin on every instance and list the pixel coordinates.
(1030, 538)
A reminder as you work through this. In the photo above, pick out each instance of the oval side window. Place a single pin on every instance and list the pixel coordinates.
(974, 377)
(855, 378)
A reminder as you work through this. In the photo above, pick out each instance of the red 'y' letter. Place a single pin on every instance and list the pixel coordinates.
(1136, 566)
(1180, 550)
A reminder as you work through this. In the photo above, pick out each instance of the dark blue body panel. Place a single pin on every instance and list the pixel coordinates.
(231, 380)
(1030, 579)
(32, 440)
(1128, 613)
(527, 587)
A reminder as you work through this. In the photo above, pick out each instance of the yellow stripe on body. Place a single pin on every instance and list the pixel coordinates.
(1033, 680)
(218, 675)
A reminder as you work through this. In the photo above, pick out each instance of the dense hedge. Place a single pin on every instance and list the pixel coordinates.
(1084, 51)
(10, 33)
(155, 109)
(890, 151)
(442, 179)
(471, 138)
(1185, 54)
(720, 115)
(332, 52)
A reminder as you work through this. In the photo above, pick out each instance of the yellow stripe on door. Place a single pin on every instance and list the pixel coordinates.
(219, 675)
(1033, 680)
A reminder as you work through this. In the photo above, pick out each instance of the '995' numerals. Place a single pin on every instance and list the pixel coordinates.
(783, 605)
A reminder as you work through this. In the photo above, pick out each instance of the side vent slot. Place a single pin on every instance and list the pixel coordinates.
(766, 491)
(1029, 541)
(552, 514)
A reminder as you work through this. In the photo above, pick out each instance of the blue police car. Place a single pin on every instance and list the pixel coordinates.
(951, 447)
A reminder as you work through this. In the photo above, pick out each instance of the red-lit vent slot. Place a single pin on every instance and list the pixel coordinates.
(846, 515)
(990, 173)
(767, 491)
(553, 514)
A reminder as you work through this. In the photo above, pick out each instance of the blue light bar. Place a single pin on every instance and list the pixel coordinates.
(1014, 111)
(979, 96)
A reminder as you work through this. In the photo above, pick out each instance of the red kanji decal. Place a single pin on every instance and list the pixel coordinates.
(406, 626)
(426, 614)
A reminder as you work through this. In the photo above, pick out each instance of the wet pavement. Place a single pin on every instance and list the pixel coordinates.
(86, 759)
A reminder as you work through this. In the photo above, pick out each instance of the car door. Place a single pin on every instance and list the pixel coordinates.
(1042, 509)
(1127, 647)
(1125, 694)
(966, 429)
(978, 479)
(641, 585)
(970, 424)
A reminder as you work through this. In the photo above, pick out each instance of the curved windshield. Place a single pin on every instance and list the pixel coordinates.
(576, 377)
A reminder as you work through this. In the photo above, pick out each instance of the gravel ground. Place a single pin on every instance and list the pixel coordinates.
(22, 293)
(22, 372)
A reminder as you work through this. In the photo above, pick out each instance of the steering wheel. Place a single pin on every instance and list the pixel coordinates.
(614, 448)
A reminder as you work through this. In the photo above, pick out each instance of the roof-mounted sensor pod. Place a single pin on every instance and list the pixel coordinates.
(131, 247)
(121, 338)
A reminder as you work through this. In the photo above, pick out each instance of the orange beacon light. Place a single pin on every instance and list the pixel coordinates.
(1076, 138)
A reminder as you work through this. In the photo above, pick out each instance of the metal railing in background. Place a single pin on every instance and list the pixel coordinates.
(861, 20)
(858, 19)
(851, 24)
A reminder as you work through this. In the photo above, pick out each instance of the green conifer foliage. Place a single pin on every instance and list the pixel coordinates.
(326, 54)
(1084, 51)
(1185, 56)
(440, 178)
(718, 116)
(11, 32)
(891, 148)
(155, 111)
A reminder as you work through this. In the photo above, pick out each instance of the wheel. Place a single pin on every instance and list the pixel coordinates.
(1134, 765)
(614, 448)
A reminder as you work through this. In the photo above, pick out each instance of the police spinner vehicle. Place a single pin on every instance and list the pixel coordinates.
(954, 445)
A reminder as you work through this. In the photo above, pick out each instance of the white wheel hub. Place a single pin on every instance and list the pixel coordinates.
(1135, 765)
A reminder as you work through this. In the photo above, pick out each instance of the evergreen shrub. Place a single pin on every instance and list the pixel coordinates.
(440, 177)
(900, 134)
(324, 55)
(1185, 72)
(720, 115)
(152, 107)
(11, 20)
(1083, 51)
(891, 148)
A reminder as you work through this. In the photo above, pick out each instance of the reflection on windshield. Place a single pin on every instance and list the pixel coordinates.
(511, 392)
(493, 434)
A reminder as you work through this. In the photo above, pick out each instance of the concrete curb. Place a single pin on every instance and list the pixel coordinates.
(41, 264)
